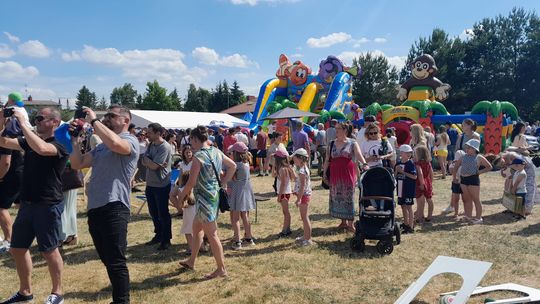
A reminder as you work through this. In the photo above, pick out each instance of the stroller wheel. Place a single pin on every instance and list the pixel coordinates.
(397, 233)
(357, 243)
(385, 247)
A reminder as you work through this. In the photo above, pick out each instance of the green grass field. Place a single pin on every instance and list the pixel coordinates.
(276, 271)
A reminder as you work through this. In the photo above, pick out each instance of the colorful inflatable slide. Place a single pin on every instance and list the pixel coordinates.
(330, 91)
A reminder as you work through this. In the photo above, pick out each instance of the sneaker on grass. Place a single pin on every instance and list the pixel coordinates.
(18, 298)
(4, 246)
(54, 299)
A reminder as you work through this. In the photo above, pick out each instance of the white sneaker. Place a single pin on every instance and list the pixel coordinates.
(306, 243)
(4, 246)
(299, 239)
(477, 221)
(54, 299)
(448, 209)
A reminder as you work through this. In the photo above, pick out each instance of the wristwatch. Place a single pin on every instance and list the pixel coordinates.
(93, 121)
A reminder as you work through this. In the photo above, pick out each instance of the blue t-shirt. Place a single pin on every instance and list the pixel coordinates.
(111, 174)
(453, 135)
(406, 186)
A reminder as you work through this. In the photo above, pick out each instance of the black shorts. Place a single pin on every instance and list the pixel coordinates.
(40, 221)
(10, 192)
(473, 180)
(261, 154)
(407, 201)
(456, 188)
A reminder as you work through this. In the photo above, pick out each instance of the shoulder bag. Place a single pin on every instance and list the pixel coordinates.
(223, 196)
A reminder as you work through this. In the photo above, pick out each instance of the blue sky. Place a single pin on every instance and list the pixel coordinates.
(51, 48)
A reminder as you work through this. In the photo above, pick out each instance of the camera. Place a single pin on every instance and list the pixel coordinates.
(79, 114)
(78, 129)
(8, 112)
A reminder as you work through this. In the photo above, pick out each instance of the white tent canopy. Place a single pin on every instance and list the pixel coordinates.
(183, 120)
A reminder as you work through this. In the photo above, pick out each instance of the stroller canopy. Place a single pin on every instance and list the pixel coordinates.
(377, 182)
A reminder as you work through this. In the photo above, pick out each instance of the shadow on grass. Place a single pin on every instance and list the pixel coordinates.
(160, 282)
(500, 218)
(529, 230)
(495, 201)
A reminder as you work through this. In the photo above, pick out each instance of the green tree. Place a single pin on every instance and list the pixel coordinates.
(85, 98)
(379, 84)
(156, 98)
(125, 95)
(176, 101)
(102, 105)
(237, 95)
(197, 99)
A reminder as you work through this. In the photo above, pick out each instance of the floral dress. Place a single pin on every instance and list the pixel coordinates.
(342, 181)
(206, 191)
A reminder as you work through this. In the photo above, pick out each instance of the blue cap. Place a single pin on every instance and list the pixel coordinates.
(518, 161)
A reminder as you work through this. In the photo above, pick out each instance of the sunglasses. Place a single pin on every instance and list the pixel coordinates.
(373, 133)
(40, 118)
(110, 115)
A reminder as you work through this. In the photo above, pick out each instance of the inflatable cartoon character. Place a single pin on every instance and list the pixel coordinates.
(298, 77)
(423, 69)
(330, 67)
(284, 66)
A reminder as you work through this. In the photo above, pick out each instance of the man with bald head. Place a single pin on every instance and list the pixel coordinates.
(39, 216)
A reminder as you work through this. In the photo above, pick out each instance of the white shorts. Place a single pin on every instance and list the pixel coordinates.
(187, 220)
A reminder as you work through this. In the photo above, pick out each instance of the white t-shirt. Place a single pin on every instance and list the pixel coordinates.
(372, 147)
(392, 140)
(184, 167)
(142, 146)
(242, 137)
(252, 143)
(521, 186)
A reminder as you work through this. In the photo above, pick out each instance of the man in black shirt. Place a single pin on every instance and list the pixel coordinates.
(11, 171)
(41, 202)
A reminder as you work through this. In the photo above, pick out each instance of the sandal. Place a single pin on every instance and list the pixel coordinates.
(186, 266)
(213, 275)
(71, 240)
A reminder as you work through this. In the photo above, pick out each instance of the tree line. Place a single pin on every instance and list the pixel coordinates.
(157, 98)
(498, 60)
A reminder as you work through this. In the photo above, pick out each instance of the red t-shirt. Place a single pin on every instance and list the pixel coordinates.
(228, 141)
(262, 139)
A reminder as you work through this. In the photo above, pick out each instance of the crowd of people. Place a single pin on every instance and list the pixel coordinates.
(42, 175)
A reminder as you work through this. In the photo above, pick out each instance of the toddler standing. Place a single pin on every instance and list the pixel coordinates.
(187, 207)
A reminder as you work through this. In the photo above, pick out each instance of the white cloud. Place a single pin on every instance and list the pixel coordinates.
(205, 55)
(6, 51)
(466, 34)
(209, 56)
(380, 40)
(12, 38)
(358, 42)
(397, 61)
(40, 93)
(71, 56)
(297, 55)
(34, 48)
(11, 70)
(328, 40)
(255, 2)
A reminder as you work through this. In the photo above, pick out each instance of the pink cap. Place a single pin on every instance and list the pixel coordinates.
(239, 147)
(281, 153)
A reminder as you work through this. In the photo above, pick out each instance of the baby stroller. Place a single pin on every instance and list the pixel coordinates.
(377, 212)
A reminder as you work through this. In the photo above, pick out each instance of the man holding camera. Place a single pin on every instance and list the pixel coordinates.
(113, 165)
(157, 161)
(41, 201)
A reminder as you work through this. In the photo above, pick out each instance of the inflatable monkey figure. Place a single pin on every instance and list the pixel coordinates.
(423, 70)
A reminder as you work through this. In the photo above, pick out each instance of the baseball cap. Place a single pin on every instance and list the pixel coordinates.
(301, 152)
(239, 147)
(405, 148)
(518, 161)
(281, 153)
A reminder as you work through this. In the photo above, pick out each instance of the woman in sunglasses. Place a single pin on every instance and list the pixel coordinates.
(377, 152)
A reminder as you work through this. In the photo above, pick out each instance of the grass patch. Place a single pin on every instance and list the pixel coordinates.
(276, 271)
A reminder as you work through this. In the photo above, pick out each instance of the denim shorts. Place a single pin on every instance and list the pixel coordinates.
(40, 221)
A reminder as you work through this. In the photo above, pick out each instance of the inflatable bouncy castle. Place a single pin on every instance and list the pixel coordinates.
(422, 94)
(328, 93)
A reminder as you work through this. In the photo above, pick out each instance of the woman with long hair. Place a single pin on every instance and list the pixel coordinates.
(342, 157)
(417, 136)
(518, 136)
(204, 183)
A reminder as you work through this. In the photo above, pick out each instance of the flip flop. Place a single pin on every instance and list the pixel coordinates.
(186, 266)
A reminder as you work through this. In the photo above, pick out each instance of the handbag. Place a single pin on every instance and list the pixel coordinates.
(71, 179)
(326, 179)
(223, 196)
